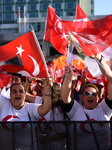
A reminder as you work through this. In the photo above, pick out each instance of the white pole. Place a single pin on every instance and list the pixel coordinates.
(19, 19)
(24, 19)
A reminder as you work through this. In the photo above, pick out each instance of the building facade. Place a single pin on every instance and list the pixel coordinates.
(17, 16)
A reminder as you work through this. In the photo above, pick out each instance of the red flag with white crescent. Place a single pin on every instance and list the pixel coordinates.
(56, 32)
(23, 55)
(94, 36)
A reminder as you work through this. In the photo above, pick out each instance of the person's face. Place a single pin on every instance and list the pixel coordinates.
(15, 79)
(18, 96)
(39, 86)
(90, 98)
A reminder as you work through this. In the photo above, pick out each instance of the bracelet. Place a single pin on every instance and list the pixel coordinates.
(29, 81)
(101, 58)
(47, 94)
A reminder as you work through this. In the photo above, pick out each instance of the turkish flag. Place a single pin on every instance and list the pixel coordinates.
(93, 36)
(23, 55)
(104, 29)
(56, 32)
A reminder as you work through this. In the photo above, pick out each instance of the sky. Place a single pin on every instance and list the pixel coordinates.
(102, 7)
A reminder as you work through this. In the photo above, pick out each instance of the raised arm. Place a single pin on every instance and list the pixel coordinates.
(30, 98)
(105, 69)
(29, 81)
(46, 106)
(66, 89)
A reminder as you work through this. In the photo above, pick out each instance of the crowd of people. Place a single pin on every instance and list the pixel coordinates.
(42, 99)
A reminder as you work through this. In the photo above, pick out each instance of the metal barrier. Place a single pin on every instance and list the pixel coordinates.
(48, 135)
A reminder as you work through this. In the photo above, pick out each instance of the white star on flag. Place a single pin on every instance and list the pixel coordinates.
(64, 36)
(20, 50)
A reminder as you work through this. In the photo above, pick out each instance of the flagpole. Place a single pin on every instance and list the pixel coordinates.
(38, 45)
(69, 47)
(19, 19)
(43, 43)
(99, 63)
(24, 19)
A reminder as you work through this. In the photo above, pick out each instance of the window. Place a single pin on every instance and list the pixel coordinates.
(43, 6)
(43, 14)
(8, 17)
(69, 5)
(56, 5)
(0, 17)
(38, 27)
(92, 11)
(33, 15)
(42, 27)
(33, 0)
(59, 13)
(0, 31)
(70, 13)
(91, 1)
(45, 0)
(8, 8)
(57, 0)
(19, 1)
(8, 1)
(32, 7)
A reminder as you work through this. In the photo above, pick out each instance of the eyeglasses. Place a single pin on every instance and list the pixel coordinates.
(94, 94)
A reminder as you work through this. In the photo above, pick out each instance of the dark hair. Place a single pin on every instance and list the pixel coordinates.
(39, 81)
(23, 78)
(59, 106)
(14, 85)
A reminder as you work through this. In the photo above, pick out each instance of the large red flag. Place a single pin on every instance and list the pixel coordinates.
(94, 36)
(56, 32)
(23, 55)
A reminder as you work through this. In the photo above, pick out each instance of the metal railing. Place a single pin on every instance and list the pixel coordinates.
(45, 135)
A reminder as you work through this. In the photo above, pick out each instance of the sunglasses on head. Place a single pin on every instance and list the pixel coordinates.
(86, 93)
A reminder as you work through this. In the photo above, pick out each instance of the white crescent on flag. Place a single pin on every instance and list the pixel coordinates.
(36, 66)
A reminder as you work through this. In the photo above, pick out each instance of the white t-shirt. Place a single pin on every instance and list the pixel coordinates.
(22, 130)
(5, 93)
(85, 139)
(9, 113)
(55, 128)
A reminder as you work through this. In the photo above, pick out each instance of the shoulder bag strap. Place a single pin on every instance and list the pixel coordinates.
(94, 133)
